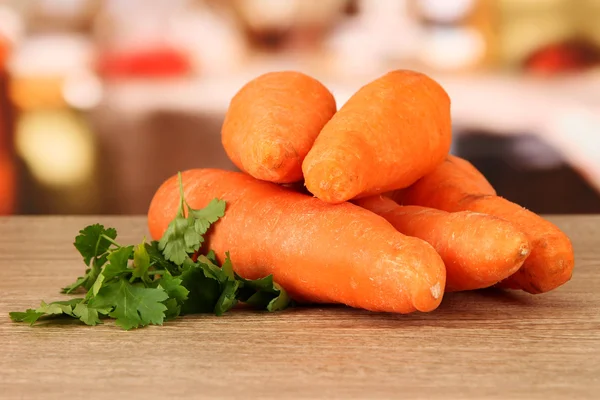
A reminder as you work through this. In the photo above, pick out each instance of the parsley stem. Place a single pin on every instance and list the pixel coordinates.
(181, 196)
(111, 241)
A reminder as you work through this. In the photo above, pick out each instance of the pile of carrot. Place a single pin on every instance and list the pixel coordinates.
(362, 206)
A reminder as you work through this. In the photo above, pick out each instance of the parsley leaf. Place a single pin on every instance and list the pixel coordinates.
(158, 260)
(141, 263)
(212, 269)
(53, 309)
(207, 216)
(88, 315)
(92, 244)
(203, 286)
(173, 309)
(228, 298)
(184, 235)
(132, 305)
(264, 293)
(177, 293)
(76, 308)
(96, 287)
(117, 265)
(29, 316)
(227, 267)
(230, 286)
(212, 256)
(173, 243)
(174, 288)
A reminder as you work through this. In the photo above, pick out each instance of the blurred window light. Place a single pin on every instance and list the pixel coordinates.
(82, 90)
(139, 23)
(11, 26)
(51, 55)
(444, 11)
(452, 48)
(56, 146)
(575, 130)
(268, 14)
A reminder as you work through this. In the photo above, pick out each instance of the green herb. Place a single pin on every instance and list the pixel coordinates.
(76, 308)
(264, 293)
(92, 243)
(157, 281)
(131, 305)
(184, 235)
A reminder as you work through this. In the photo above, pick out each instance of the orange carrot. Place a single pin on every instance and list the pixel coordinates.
(317, 251)
(272, 123)
(457, 186)
(389, 134)
(450, 183)
(478, 250)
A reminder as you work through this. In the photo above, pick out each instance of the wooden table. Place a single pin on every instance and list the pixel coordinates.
(485, 344)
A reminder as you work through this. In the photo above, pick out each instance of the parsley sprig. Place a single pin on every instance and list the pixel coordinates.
(150, 283)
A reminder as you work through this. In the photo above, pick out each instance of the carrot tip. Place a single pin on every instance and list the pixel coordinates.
(334, 184)
(436, 291)
(427, 298)
(271, 156)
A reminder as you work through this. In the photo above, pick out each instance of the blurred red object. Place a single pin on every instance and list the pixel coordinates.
(7, 185)
(3, 53)
(159, 62)
(568, 56)
(7, 167)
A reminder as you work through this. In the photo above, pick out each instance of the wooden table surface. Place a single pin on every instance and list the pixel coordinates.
(477, 345)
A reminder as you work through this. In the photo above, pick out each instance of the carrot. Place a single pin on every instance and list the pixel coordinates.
(457, 186)
(272, 122)
(478, 250)
(390, 133)
(450, 183)
(317, 251)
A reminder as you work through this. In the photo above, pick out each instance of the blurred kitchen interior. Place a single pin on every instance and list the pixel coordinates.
(100, 101)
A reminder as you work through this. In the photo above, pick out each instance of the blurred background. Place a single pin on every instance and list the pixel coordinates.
(101, 100)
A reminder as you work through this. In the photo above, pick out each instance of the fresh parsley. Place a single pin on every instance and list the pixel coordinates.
(152, 282)
(185, 235)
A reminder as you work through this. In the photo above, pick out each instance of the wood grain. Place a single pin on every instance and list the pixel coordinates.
(478, 345)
